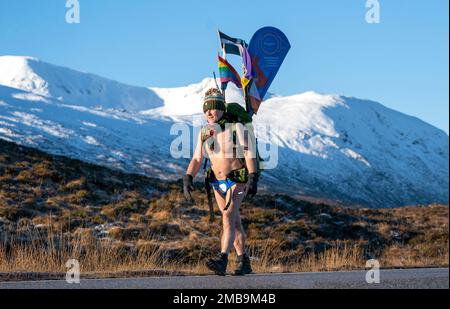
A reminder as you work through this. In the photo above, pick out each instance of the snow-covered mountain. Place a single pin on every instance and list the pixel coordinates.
(66, 85)
(332, 147)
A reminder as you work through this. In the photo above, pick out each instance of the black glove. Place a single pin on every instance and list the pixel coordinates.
(251, 188)
(188, 187)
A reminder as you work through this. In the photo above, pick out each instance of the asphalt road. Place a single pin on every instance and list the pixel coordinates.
(398, 278)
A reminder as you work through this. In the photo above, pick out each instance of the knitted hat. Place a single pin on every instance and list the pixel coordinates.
(214, 99)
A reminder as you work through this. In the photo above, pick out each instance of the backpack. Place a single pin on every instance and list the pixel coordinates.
(235, 113)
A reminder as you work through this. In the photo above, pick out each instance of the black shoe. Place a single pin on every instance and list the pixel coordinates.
(218, 265)
(244, 267)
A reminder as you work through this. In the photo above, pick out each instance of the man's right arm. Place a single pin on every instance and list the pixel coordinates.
(197, 158)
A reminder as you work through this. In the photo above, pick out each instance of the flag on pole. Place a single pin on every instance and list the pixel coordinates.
(246, 66)
(228, 74)
(230, 45)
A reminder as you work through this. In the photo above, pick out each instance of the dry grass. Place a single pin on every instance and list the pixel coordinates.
(348, 257)
(414, 256)
(99, 258)
(49, 255)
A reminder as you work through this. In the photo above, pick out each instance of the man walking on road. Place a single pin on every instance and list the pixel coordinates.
(232, 177)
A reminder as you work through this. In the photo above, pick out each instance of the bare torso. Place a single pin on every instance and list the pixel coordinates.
(223, 157)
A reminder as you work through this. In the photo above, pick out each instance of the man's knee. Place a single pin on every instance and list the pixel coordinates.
(228, 220)
(240, 236)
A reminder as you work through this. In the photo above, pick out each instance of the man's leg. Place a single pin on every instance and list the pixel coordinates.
(230, 219)
(219, 264)
(243, 260)
(239, 240)
(239, 233)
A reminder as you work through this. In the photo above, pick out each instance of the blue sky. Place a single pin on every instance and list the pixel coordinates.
(401, 62)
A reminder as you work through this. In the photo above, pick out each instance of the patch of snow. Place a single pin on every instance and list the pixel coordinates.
(354, 155)
(89, 124)
(30, 97)
(47, 126)
(8, 133)
(91, 140)
(3, 123)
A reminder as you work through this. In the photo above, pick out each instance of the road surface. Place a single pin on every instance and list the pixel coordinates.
(396, 278)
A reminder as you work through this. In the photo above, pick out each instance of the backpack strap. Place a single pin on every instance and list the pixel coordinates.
(208, 189)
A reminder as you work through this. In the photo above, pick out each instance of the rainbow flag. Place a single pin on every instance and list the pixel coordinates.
(228, 74)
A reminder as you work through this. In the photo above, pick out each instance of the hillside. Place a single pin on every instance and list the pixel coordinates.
(53, 208)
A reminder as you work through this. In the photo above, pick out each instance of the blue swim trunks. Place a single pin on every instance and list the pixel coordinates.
(222, 186)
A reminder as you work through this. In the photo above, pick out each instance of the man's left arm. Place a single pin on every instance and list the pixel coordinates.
(247, 143)
(247, 140)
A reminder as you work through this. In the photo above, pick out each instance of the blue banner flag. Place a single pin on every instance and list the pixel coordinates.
(268, 48)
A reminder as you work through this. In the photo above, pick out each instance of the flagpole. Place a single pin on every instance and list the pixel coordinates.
(215, 80)
(224, 56)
